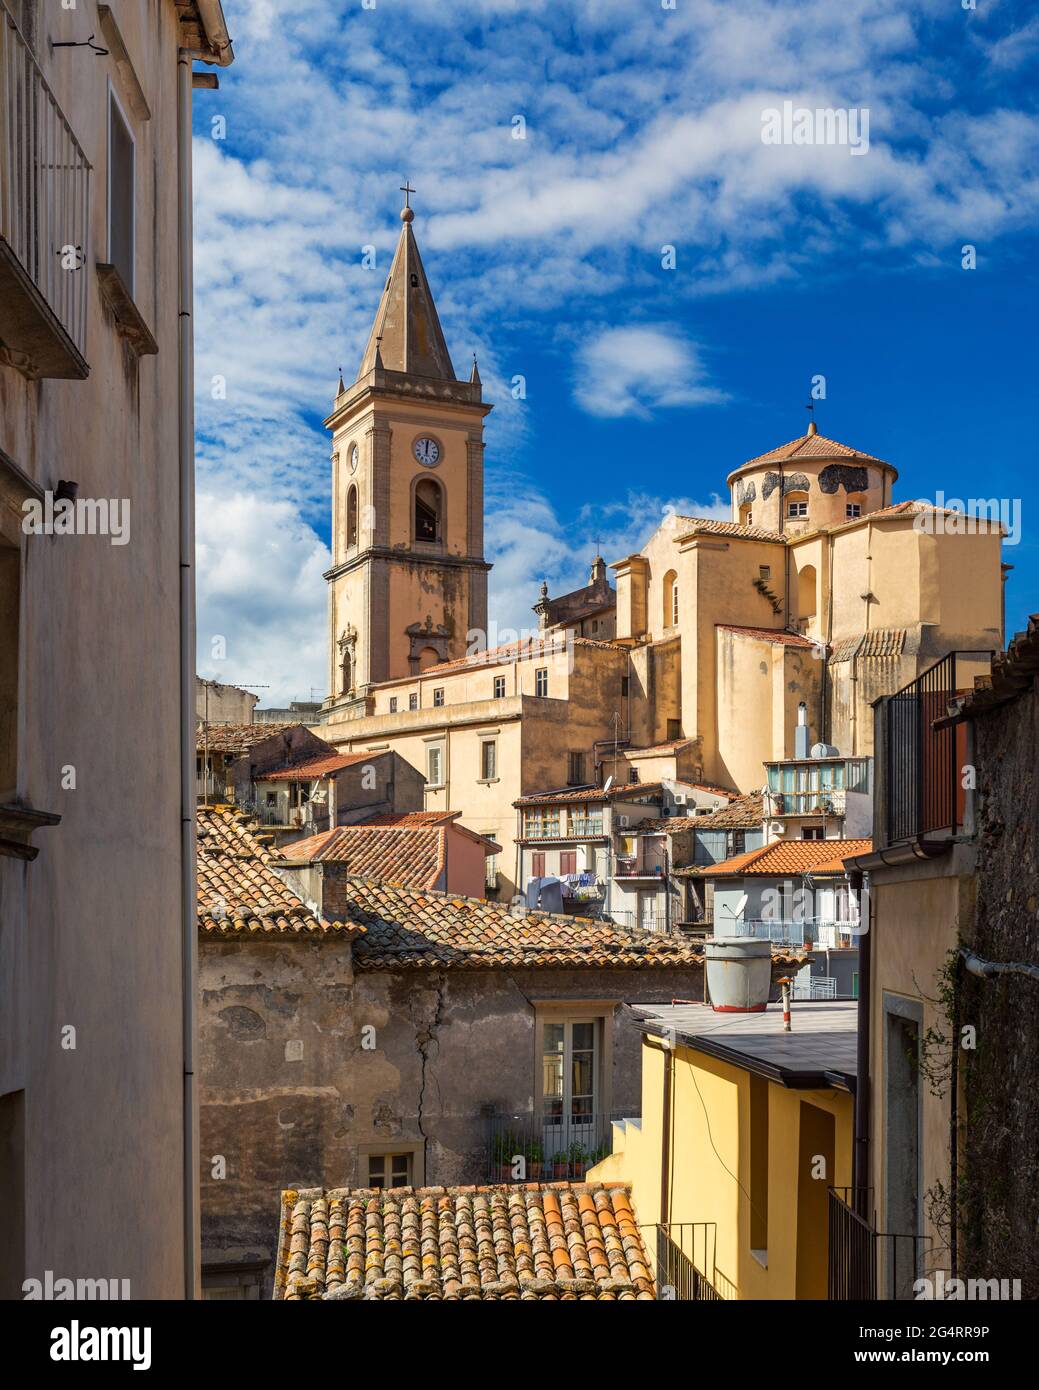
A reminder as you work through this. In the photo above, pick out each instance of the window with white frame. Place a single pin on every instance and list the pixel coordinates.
(499, 687)
(488, 760)
(435, 765)
(438, 696)
(121, 193)
(541, 681)
(389, 1170)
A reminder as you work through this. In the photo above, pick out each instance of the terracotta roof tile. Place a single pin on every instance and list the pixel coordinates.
(238, 893)
(783, 857)
(811, 446)
(1011, 673)
(768, 634)
(411, 857)
(743, 813)
(411, 929)
(554, 1242)
(589, 794)
(318, 767)
(237, 738)
(710, 526)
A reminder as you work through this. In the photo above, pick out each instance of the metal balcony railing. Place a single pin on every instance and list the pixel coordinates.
(684, 1260)
(645, 921)
(920, 792)
(529, 1147)
(44, 217)
(816, 932)
(862, 1262)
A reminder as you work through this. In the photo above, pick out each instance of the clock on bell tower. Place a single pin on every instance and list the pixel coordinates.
(408, 581)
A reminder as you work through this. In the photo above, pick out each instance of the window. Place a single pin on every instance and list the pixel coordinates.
(633, 774)
(737, 841)
(764, 571)
(575, 769)
(746, 515)
(624, 687)
(541, 681)
(570, 1081)
(537, 864)
(488, 760)
(853, 510)
(435, 765)
(10, 589)
(428, 510)
(811, 832)
(670, 599)
(393, 704)
(438, 697)
(389, 1170)
(120, 193)
(499, 687)
(674, 730)
(232, 1285)
(797, 506)
(568, 861)
(541, 823)
(413, 701)
(351, 516)
(806, 591)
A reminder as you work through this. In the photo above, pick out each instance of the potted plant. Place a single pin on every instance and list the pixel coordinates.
(503, 1150)
(535, 1156)
(559, 1164)
(578, 1156)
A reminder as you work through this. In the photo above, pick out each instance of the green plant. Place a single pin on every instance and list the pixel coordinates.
(559, 1159)
(577, 1152)
(533, 1151)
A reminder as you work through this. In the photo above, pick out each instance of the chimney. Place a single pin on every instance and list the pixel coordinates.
(801, 732)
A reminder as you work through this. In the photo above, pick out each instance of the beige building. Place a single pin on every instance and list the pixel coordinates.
(98, 1151)
(819, 595)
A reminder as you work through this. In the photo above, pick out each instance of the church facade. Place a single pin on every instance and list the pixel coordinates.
(820, 591)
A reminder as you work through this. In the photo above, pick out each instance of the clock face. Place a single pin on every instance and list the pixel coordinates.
(427, 451)
(354, 458)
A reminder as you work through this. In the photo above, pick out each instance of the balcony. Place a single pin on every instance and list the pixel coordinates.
(646, 921)
(817, 802)
(44, 219)
(864, 1263)
(575, 829)
(683, 1254)
(920, 798)
(549, 1148)
(824, 932)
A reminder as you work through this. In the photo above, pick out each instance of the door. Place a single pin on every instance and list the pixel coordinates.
(570, 1091)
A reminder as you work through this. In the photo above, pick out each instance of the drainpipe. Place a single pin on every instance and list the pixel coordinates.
(860, 1156)
(186, 470)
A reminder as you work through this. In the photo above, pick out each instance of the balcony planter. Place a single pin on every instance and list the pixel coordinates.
(559, 1165)
(739, 975)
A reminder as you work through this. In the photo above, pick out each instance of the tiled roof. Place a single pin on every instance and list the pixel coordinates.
(783, 857)
(412, 819)
(1012, 673)
(409, 929)
(589, 794)
(237, 738)
(769, 634)
(743, 813)
(318, 767)
(412, 858)
(811, 445)
(710, 526)
(655, 748)
(558, 1242)
(666, 825)
(881, 641)
(238, 893)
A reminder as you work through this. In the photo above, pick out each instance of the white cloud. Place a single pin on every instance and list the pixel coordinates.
(632, 371)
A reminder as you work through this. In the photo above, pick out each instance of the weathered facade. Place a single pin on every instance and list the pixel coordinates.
(408, 1044)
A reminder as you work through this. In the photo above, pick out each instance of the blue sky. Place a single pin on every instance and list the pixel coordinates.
(645, 386)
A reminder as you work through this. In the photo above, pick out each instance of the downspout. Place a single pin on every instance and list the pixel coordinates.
(186, 473)
(860, 1154)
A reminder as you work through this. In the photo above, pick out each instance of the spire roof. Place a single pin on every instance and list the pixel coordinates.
(406, 335)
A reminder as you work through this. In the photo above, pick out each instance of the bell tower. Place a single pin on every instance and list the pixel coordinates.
(408, 580)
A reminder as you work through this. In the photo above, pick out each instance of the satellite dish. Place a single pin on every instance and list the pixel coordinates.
(609, 784)
(741, 906)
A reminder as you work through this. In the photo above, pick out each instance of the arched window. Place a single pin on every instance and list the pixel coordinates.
(351, 516)
(348, 673)
(671, 599)
(746, 515)
(428, 657)
(428, 511)
(806, 592)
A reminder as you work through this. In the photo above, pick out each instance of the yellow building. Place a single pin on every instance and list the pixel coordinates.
(820, 591)
(745, 1128)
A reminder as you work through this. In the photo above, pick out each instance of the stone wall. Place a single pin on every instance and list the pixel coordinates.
(303, 1064)
(999, 1189)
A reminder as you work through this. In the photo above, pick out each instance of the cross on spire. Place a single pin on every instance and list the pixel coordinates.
(407, 190)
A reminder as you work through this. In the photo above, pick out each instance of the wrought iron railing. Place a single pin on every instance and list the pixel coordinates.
(921, 788)
(864, 1263)
(684, 1253)
(532, 1147)
(44, 185)
(642, 921)
(818, 932)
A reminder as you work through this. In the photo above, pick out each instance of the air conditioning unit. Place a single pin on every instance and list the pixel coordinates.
(680, 798)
